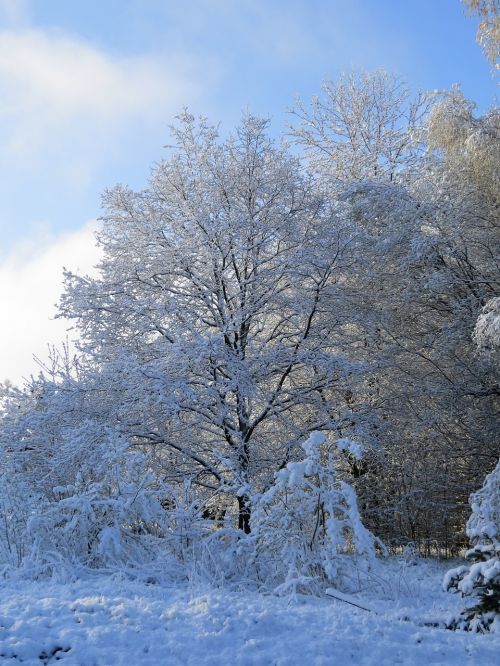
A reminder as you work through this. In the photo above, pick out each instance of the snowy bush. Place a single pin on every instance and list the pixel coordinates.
(307, 526)
(107, 515)
(481, 579)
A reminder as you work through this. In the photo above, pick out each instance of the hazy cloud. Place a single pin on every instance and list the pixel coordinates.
(66, 101)
(14, 12)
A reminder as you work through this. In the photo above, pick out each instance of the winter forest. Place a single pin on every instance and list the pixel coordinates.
(285, 396)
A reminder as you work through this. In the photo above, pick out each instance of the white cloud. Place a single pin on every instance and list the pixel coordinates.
(30, 287)
(63, 99)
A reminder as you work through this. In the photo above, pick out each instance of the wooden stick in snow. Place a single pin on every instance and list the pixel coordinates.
(340, 596)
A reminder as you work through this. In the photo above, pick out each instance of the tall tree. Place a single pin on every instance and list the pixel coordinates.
(211, 298)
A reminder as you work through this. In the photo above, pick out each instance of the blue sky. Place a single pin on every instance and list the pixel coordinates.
(217, 56)
(88, 88)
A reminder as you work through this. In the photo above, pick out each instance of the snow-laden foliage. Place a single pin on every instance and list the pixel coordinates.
(471, 145)
(307, 526)
(110, 515)
(74, 491)
(113, 513)
(481, 579)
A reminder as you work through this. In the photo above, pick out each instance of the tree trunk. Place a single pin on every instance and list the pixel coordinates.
(244, 514)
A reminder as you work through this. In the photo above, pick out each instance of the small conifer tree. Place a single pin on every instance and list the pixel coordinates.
(481, 580)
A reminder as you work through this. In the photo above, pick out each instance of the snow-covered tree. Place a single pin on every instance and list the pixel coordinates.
(481, 580)
(365, 126)
(424, 262)
(211, 298)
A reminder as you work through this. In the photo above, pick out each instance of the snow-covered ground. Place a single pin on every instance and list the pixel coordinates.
(108, 620)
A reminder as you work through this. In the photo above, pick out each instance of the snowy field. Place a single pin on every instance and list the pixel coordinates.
(107, 621)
